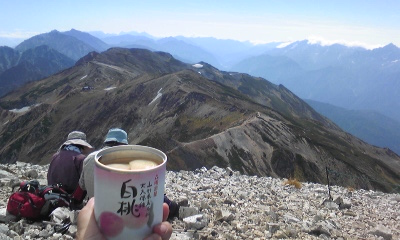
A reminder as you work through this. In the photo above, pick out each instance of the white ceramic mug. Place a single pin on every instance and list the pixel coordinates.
(128, 203)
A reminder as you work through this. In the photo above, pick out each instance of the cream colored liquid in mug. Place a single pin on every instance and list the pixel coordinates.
(137, 164)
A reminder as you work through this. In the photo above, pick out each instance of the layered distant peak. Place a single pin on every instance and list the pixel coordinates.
(388, 52)
(98, 44)
(65, 44)
(390, 46)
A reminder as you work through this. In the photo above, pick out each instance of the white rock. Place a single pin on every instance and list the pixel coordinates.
(382, 231)
(195, 222)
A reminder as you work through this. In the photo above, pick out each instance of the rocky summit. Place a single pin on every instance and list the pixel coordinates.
(220, 203)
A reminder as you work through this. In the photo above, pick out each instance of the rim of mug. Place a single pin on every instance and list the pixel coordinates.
(154, 151)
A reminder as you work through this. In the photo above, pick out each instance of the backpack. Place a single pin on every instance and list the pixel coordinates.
(35, 202)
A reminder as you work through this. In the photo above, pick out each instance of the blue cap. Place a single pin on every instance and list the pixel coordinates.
(117, 135)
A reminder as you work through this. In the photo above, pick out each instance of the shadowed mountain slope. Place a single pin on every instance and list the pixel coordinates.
(8, 58)
(198, 115)
(373, 127)
(33, 64)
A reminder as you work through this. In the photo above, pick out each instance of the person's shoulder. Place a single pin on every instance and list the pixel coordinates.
(77, 156)
(91, 156)
(56, 154)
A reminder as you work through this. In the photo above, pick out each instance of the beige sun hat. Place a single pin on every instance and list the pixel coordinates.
(78, 138)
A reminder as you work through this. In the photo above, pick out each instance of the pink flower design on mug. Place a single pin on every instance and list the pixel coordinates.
(111, 224)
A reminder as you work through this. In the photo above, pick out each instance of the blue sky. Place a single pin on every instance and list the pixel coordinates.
(370, 23)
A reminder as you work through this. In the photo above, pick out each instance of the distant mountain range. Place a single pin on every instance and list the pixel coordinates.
(42, 56)
(195, 113)
(349, 77)
(352, 78)
(371, 126)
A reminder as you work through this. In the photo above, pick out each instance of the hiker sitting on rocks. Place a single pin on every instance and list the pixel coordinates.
(66, 164)
(115, 137)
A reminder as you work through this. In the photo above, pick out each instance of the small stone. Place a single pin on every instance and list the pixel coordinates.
(195, 222)
(204, 205)
(290, 219)
(350, 213)
(32, 174)
(291, 232)
(183, 202)
(382, 231)
(185, 212)
(319, 229)
(3, 228)
(331, 205)
(280, 234)
(273, 227)
(229, 201)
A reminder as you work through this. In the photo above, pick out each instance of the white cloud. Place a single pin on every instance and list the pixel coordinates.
(18, 34)
(325, 42)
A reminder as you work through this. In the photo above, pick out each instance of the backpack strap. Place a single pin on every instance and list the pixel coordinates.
(54, 189)
(30, 200)
(78, 195)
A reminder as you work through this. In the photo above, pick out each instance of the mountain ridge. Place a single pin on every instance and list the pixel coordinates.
(337, 76)
(180, 108)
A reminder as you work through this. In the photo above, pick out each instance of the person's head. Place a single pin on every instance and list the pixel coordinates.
(115, 137)
(78, 139)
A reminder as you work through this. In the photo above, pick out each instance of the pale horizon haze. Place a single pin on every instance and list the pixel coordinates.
(367, 23)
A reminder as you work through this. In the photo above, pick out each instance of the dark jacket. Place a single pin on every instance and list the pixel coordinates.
(65, 168)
